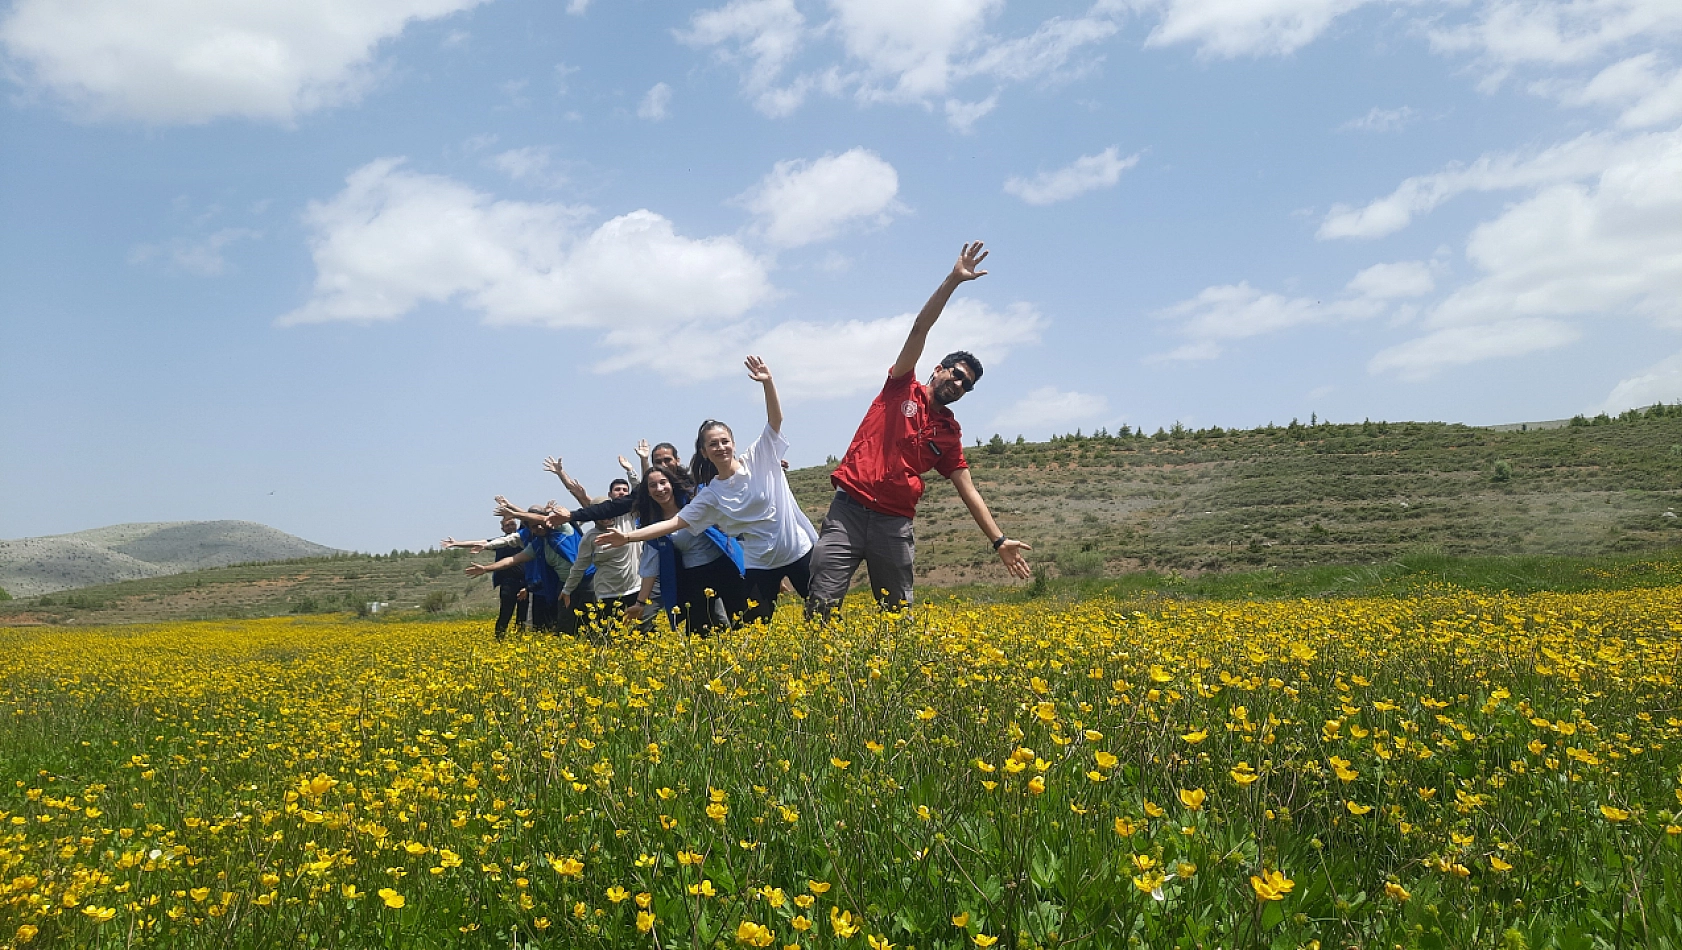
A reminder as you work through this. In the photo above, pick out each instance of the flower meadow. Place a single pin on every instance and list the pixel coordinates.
(1441, 770)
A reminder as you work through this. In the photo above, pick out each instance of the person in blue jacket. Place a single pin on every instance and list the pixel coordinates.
(547, 557)
(699, 570)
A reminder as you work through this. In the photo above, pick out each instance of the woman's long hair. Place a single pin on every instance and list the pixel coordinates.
(647, 509)
(702, 468)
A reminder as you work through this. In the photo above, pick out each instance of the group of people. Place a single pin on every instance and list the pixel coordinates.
(713, 544)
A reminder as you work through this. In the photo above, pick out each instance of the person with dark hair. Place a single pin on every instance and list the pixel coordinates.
(907, 431)
(694, 575)
(514, 603)
(547, 557)
(664, 453)
(748, 497)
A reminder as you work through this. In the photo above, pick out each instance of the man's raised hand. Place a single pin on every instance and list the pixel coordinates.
(1010, 552)
(757, 370)
(552, 465)
(642, 449)
(968, 260)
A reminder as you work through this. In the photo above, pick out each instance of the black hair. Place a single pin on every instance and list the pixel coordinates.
(618, 481)
(648, 512)
(702, 468)
(664, 445)
(966, 357)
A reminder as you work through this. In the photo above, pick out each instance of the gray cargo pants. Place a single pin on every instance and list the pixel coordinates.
(852, 533)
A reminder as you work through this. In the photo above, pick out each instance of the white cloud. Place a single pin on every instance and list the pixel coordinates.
(908, 48)
(191, 61)
(1382, 120)
(962, 116)
(801, 202)
(1581, 157)
(653, 107)
(1637, 86)
(1225, 313)
(394, 239)
(1661, 382)
(1509, 33)
(1048, 408)
(828, 360)
(1087, 173)
(1245, 27)
(1570, 252)
(201, 258)
(762, 37)
(1458, 346)
(891, 51)
(1389, 281)
(533, 164)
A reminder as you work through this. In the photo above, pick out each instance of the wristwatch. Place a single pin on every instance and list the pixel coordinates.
(1001, 539)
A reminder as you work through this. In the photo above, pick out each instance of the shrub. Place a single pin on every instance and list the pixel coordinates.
(437, 600)
(1503, 471)
(1081, 564)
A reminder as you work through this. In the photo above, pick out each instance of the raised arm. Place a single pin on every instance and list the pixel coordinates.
(760, 373)
(613, 538)
(572, 484)
(643, 455)
(1010, 552)
(968, 260)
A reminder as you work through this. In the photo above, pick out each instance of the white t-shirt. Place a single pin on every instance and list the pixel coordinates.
(756, 506)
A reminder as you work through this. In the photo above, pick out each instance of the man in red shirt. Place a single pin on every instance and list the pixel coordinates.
(907, 431)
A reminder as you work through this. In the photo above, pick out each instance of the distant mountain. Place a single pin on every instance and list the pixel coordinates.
(31, 566)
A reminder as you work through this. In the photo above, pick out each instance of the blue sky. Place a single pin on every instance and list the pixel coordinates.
(350, 269)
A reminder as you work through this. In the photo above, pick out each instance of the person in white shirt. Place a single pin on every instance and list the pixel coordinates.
(616, 581)
(747, 497)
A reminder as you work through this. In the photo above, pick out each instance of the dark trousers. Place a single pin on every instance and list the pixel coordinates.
(606, 612)
(764, 584)
(511, 608)
(546, 614)
(729, 595)
(572, 617)
(852, 533)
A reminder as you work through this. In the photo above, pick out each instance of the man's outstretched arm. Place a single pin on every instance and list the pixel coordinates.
(1010, 551)
(968, 260)
(573, 485)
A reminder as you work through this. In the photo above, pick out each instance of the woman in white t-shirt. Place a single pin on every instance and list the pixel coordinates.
(747, 497)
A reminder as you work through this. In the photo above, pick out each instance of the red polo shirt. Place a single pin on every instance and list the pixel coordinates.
(904, 434)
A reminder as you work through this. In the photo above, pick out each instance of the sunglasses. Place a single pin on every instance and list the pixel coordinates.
(963, 378)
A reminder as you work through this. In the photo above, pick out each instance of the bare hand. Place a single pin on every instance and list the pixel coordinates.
(446, 544)
(968, 260)
(624, 464)
(552, 465)
(558, 517)
(642, 449)
(566, 599)
(633, 613)
(757, 370)
(611, 538)
(1010, 552)
(477, 570)
(523, 594)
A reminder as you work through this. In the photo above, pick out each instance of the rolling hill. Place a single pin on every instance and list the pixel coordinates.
(1186, 503)
(34, 566)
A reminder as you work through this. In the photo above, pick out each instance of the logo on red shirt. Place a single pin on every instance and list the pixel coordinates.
(910, 408)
